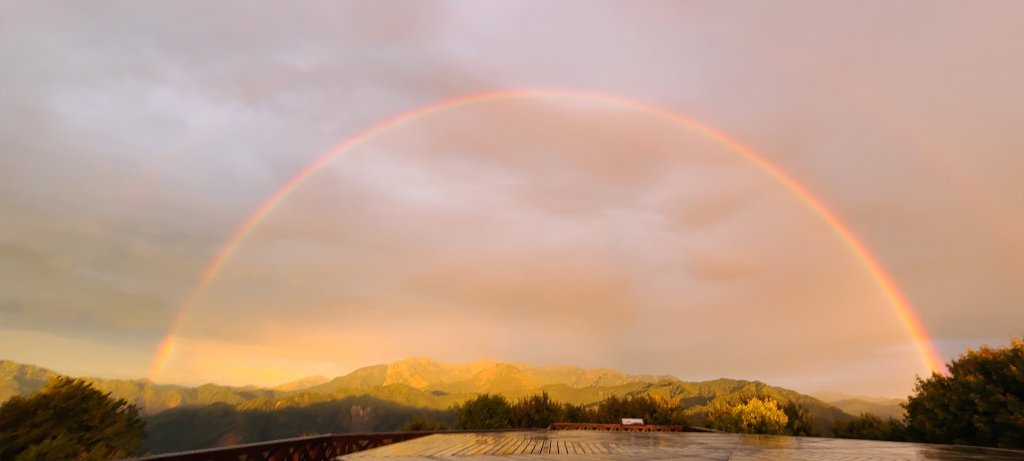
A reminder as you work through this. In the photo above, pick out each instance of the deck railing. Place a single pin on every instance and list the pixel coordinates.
(329, 447)
(316, 448)
(616, 427)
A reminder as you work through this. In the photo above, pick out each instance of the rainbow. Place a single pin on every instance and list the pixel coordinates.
(902, 307)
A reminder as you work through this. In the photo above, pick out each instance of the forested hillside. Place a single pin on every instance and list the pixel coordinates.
(388, 397)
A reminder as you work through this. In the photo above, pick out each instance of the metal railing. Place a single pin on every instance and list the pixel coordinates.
(316, 448)
(616, 427)
(329, 447)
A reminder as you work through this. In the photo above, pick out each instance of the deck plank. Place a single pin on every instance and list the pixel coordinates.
(531, 446)
(541, 445)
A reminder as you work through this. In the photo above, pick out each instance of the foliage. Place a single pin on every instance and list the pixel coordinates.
(981, 402)
(420, 423)
(68, 419)
(800, 421)
(484, 412)
(652, 410)
(760, 416)
(220, 424)
(573, 413)
(869, 426)
(807, 415)
(537, 411)
(579, 392)
(182, 418)
(540, 410)
(752, 415)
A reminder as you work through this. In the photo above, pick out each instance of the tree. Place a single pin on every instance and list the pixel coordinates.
(869, 426)
(422, 423)
(651, 409)
(800, 420)
(484, 412)
(754, 415)
(575, 413)
(761, 416)
(536, 411)
(979, 403)
(69, 420)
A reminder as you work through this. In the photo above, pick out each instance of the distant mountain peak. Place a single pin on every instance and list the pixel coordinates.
(426, 383)
(855, 405)
(832, 396)
(302, 383)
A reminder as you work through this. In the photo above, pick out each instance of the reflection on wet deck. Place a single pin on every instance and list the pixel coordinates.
(565, 445)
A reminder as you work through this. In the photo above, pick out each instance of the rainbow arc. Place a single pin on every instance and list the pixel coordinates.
(904, 311)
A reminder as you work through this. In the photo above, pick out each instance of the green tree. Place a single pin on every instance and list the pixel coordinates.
(799, 418)
(69, 420)
(978, 403)
(869, 426)
(484, 412)
(422, 423)
(536, 411)
(651, 409)
(575, 413)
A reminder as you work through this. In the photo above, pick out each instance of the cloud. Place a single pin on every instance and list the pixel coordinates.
(136, 138)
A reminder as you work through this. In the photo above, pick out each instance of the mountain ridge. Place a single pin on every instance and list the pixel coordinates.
(856, 405)
(425, 383)
(301, 383)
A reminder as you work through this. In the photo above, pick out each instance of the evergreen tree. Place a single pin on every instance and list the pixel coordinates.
(69, 420)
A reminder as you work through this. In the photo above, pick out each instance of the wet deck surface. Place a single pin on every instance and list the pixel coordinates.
(566, 445)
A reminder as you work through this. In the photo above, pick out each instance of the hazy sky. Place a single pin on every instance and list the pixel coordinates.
(136, 136)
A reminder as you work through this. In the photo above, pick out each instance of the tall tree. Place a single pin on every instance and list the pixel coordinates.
(981, 402)
(536, 411)
(69, 420)
(484, 412)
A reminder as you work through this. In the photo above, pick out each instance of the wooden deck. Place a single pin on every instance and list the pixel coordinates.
(613, 446)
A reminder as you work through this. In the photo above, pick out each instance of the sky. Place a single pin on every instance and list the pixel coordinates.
(136, 137)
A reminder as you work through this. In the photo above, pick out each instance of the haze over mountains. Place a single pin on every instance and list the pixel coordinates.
(423, 382)
(386, 397)
(420, 381)
(855, 405)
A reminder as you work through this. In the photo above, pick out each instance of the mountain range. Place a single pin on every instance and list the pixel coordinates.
(390, 392)
(856, 405)
(416, 381)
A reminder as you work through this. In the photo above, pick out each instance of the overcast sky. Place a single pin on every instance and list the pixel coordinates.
(136, 136)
